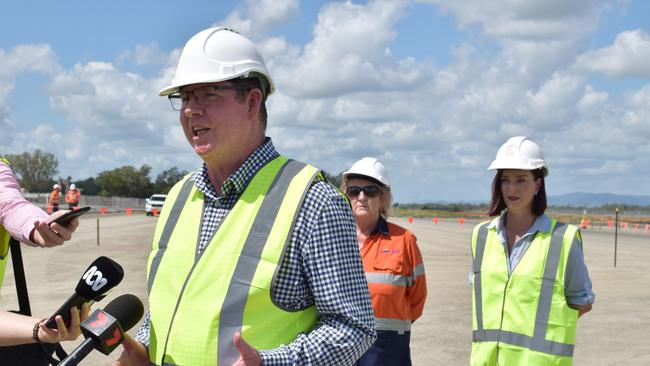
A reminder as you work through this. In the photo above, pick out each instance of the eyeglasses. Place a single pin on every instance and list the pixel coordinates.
(369, 191)
(204, 96)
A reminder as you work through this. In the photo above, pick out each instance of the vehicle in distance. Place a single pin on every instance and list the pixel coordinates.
(155, 201)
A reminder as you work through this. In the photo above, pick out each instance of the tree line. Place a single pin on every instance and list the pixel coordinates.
(36, 173)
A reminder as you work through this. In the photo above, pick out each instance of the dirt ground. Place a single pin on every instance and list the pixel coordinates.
(613, 333)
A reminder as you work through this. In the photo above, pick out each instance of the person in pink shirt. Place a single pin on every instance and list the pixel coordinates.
(25, 221)
(29, 224)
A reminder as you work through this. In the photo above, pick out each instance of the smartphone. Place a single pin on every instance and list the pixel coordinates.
(65, 218)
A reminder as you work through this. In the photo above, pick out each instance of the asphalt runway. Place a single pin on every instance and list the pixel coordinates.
(613, 333)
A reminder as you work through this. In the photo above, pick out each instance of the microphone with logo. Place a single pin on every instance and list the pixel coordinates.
(101, 276)
(104, 329)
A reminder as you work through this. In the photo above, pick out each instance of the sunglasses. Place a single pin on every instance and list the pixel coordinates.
(369, 191)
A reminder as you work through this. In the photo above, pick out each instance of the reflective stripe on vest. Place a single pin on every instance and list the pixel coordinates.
(395, 279)
(398, 325)
(537, 341)
(236, 288)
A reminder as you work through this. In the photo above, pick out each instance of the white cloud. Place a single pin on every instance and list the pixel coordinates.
(22, 59)
(149, 54)
(256, 17)
(627, 56)
(350, 52)
(592, 99)
(29, 57)
(344, 94)
(526, 20)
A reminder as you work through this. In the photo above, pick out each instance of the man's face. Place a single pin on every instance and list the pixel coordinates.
(215, 122)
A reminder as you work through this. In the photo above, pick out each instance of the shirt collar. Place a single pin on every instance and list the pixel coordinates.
(382, 226)
(239, 179)
(542, 223)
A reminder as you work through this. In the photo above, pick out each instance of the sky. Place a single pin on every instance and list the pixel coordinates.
(431, 87)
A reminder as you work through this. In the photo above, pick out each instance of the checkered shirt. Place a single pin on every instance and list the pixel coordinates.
(321, 266)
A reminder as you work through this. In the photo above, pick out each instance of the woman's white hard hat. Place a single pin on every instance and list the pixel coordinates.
(370, 167)
(219, 54)
(519, 152)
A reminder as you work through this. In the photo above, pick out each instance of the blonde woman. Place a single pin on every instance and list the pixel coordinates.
(392, 263)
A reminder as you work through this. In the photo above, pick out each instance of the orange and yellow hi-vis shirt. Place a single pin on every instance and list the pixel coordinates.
(395, 273)
(72, 197)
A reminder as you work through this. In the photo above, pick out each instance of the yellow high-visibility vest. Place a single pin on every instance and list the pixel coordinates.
(4, 242)
(198, 301)
(522, 318)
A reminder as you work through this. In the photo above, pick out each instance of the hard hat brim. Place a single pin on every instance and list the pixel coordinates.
(175, 87)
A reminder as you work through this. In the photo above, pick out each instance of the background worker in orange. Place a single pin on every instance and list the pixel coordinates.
(53, 204)
(392, 263)
(72, 197)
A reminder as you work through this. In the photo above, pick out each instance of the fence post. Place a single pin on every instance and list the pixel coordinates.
(615, 237)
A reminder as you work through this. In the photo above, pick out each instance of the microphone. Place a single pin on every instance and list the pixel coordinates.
(104, 329)
(101, 276)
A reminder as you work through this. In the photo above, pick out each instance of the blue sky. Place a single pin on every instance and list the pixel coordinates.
(431, 87)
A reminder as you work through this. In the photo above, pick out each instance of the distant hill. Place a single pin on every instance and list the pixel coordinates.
(581, 199)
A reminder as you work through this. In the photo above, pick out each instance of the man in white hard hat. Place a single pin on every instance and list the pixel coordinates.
(254, 257)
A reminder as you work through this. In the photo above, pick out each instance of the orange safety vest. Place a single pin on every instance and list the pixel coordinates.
(72, 196)
(395, 273)
(54, 197)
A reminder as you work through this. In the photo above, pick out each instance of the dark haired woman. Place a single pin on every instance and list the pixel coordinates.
(392, 263)
(530, 281)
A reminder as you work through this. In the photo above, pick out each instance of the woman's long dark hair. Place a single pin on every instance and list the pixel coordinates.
(497, 204)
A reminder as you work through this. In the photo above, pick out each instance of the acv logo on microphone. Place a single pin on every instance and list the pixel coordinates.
(94, 278)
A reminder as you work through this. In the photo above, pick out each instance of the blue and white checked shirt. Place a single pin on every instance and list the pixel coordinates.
(322, 266)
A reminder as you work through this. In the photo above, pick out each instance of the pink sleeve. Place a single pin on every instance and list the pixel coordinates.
(17, 214)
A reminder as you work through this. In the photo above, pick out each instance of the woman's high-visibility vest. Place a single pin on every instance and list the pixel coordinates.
(522, 318)
(4, 241)
(198, 301)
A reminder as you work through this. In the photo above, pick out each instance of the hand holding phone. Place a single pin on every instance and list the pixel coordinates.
(65, 218)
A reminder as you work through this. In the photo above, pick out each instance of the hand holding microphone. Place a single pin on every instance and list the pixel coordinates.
(104, 329)
(100, 277)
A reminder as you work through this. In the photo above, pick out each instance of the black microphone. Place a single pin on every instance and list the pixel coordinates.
(104, 329)
(101, 276)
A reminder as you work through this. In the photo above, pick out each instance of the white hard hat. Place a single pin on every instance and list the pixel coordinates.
(72, 186)
(519, 152)
(219, 54)
(370, 167)
(56, 186)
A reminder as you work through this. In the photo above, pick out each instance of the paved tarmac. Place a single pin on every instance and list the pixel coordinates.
(613, 333)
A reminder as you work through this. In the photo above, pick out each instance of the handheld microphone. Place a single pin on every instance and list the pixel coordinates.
(104, 329)
(101, 276)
